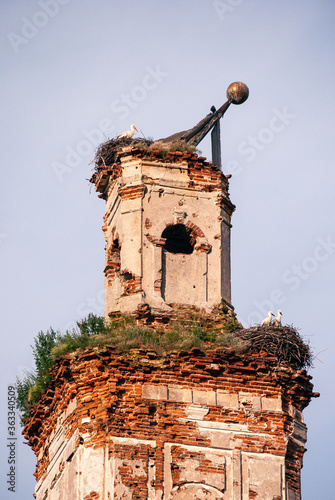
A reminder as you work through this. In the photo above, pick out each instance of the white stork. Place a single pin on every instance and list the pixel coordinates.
(267, 321)
(277, 321)
(129, 133)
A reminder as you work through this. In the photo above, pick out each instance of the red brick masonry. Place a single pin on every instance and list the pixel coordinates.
(175, 399)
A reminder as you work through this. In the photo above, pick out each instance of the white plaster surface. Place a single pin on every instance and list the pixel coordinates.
(214, 482)
(200, 278)
(263, 474)
(135, 465)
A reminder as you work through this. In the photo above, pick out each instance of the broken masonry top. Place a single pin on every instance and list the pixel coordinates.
(111, 157)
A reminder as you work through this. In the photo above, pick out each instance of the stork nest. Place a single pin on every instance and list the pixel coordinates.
(107, 152)
(283, 342)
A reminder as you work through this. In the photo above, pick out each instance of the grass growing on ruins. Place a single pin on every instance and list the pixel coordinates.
(123, 334)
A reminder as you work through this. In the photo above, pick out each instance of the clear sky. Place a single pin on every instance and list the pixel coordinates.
(75, 73)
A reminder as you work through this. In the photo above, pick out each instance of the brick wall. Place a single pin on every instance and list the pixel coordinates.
(190, 423)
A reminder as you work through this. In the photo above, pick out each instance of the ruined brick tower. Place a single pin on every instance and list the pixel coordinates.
(167, 229)
(200, 424)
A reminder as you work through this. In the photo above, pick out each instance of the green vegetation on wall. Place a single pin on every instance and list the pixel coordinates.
(124, 334)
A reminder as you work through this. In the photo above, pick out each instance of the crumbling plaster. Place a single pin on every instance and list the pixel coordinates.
(141, 203)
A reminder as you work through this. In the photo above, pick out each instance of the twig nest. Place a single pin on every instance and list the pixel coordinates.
(283, 342)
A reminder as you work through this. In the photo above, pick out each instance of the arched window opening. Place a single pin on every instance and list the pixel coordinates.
(116, 245)
(113, 254)
(178, 239)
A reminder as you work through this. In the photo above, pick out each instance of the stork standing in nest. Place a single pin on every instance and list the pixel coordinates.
(277, 321)
(268, 321)
(129, 133)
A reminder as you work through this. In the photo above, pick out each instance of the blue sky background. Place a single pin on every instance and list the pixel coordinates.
(78, 72)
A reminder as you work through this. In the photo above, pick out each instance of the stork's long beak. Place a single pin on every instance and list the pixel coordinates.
(135, 128)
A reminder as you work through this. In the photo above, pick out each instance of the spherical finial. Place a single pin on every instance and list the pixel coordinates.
(237, 92)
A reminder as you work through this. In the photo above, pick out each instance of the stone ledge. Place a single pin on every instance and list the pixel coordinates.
(244, 400)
